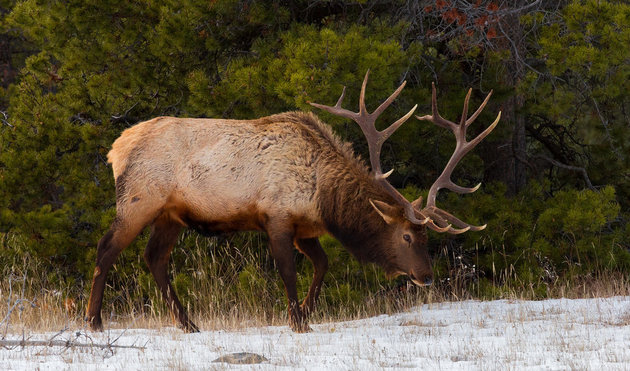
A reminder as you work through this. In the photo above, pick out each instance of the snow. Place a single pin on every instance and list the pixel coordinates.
(557, 334)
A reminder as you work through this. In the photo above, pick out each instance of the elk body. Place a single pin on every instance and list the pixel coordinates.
(287, 175)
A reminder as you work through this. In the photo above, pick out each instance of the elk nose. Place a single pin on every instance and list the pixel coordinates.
(425, 280)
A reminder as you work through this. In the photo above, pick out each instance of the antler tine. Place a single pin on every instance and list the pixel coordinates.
(375, 139)
(436, 220)
(461, 149)
(478, 111)
(435, 114)
(393, 127)
(340, 100)
(484, 133)
(389, 100)
(431, 224)
(438, 213)
(362, 109)
(462, 122)
(441, 221)
(336, 109)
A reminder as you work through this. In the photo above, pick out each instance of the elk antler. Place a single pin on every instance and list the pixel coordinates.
(376, 138)
(440, 219)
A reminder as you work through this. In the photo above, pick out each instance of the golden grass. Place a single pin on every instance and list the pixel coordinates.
(26, 308)
(216, 299)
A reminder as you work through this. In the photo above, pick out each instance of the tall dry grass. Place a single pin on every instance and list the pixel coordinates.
(217, 297)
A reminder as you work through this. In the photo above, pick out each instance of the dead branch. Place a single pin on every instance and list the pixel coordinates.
(5, 119)
(69, 343)
(579, 169)
(63, 343)
(16, 304)
(19, 305)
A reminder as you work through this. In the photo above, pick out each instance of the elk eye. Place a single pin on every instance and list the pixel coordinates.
(407, 238)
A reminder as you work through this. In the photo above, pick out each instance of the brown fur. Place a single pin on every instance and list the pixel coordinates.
(287, 175)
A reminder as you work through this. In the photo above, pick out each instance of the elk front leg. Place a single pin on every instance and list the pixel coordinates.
(314, 252)
(281, 244)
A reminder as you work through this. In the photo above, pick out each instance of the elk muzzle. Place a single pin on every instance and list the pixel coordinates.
(425, 279)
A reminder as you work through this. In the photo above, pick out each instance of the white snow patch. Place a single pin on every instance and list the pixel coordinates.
(555, 334)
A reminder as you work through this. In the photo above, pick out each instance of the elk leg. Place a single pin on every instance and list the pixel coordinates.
(282, 251)
(109, 247)
(313, 251)
(164, 234)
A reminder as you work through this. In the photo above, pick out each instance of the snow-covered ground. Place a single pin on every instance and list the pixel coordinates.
(561, 334)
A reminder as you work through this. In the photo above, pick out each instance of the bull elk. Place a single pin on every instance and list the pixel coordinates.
(287, 175)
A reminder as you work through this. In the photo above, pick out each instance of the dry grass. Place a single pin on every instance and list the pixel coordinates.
(217, 298)
(27, 308)
(475, 338)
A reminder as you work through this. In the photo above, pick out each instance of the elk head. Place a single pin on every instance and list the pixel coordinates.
(407, 221)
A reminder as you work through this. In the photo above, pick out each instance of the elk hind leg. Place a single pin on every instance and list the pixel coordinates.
(109, 247)
(164, 233)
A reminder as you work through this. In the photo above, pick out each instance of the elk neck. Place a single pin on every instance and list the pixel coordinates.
(343, 190)
(344, 204)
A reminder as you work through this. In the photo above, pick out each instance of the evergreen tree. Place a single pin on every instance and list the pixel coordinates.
(90, 69)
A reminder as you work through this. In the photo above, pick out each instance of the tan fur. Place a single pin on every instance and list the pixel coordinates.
(218, 170)
(130, 139)
(286, 174)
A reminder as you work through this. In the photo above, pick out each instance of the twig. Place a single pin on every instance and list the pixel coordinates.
(579, 169)
(125, 116)
(54, 341)
(18, 303)
(605, 123)
(5, 119)
(59, 333)
(63, 343)
(68, 343)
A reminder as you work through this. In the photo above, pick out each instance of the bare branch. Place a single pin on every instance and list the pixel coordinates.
(579, 169)
(5, 119)
(64, 343)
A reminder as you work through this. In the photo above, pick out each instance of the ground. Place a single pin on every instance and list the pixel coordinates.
(559, 334)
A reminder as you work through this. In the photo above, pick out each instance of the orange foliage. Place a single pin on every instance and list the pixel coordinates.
(453, 15)
(461, 19)
(439, 4)
(70, 305)
(493, 7)
(492, 33)
(481, 21)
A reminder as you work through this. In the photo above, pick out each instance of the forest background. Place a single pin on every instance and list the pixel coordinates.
(555, 172)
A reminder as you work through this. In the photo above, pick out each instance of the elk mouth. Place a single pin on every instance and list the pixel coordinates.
(427, 280)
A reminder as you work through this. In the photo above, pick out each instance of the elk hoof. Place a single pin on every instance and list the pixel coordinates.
(95, 324)
(298, 319)
(191, 328)
(301, 328)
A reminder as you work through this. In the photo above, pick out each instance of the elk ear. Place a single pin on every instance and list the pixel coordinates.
(383, 209)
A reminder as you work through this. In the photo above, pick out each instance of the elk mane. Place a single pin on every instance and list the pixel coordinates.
(321, 132)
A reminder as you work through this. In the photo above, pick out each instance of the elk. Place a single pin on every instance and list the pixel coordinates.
(287, 175)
